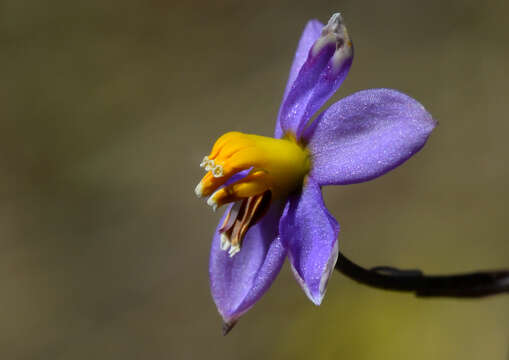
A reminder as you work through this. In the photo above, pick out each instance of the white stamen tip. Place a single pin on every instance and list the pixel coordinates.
(210, 165)
(217, 171)
(198, 190)
(233, 250)
(204, 162)
(225, 242)
(211, 202)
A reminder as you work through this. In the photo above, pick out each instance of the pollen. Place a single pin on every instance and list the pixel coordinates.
(250, 171)
(217, 171)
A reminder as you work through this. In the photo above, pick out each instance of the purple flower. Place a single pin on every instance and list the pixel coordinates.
(273, 185)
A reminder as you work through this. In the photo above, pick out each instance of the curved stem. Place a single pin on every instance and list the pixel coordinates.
(476, 284)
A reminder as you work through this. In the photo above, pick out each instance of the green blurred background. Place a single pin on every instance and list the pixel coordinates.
(107, 109)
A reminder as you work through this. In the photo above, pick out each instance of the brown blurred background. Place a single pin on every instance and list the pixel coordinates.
(106, 111)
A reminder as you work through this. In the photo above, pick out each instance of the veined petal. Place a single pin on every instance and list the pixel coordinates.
(309, 232)
(365, 135)
(310, 34)
(325, 68)
(238, 282)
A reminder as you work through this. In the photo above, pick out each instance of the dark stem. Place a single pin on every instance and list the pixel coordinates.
(476, 284)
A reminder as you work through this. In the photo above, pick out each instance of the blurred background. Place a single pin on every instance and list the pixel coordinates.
(107, 109)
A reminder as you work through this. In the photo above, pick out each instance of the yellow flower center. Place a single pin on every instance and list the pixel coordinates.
(277, 168)
(278, 165)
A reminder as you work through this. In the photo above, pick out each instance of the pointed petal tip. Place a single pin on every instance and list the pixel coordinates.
(317, 301)
(311, 240)
(335, 33)
(335, 25)
(316, 298)
(434, 123)
(228, 326)
(238, 283)
(335, 20)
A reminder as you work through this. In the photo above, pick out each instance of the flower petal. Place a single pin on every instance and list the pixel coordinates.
(325, 68)
(310, 34)
(309, 232)
(238, 282)
(365, 135)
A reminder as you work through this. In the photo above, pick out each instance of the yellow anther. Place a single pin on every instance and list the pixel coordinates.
(278, 165)
(251, 185)
(223, 139)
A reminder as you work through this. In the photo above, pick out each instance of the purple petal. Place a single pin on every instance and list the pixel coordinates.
(309, 232)
(310, 34)
(325, 68)
(238, 282)
(365, 135)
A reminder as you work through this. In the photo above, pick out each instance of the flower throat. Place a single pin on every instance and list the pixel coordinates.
(250, 171)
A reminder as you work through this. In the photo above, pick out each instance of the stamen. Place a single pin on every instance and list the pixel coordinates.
(225, 242)
(229, 221)
(217, 171)
(283, 161)
(251, 185)
(212, 203)
(198, 190)
(210, 165)
(233, 250)
(239, 231)
(204, 162)
(247, 170)
(240, 218)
